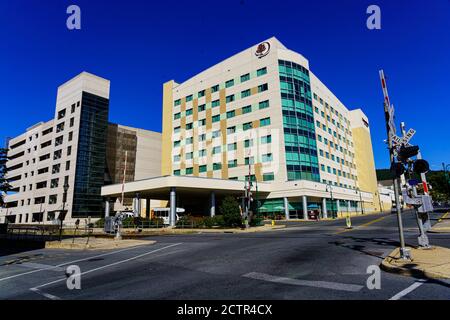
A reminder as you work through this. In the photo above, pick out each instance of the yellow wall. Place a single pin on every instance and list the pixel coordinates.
(167, 128)
(365, 166)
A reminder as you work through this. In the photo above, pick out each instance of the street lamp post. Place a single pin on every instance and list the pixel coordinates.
(330, 189)
(62, 214)
(360, 200)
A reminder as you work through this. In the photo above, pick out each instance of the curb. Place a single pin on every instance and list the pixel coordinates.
(108, 246)
(411, 271)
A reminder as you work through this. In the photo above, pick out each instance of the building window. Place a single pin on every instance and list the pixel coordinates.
(267, 157)
(264, 122)
(54, 183)
(232, 146)
(177, 116)
(202, 137)
(246, 109)
(70, 136)
(248, 143)
(202, 153)
(261, 72)
(190, 140)
(201, 93)
(189, 98)
(72, 108)
(247, 126)
(216, 134)
(60, 127)
(230, 98)
(229, 83)
(176, 172)
(57, 155)
(56, 168)
(177, 129)
(41, 185)
(52, 199)
(268, 176)
(264, 104)
(249, 160)
(189, 155)
(202, 122)
(215, 88)
(232, 163)
(217, 166)
(72, 121)
(245, 77)
(189, 126)
(231, 130)
(59, 141)
(216, 118)
(216, 150)
(61, 114)
(176, 144)
(215, 103)
(189, 112)
(201, 108)
(263, 87)
(69, 151)
(231, 114)
(245, 93)
(266, 139)
(177, 102)
(176, 158)
(67, 165)
(189, 170)
(202, 168)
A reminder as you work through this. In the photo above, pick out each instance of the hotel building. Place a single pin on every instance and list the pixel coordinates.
(263, 113)
(78, 150)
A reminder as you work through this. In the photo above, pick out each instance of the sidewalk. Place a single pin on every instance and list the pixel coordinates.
(443, 225)
(431, 263)
(95, 244)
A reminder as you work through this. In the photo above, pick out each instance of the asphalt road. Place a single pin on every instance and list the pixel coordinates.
(313, 260)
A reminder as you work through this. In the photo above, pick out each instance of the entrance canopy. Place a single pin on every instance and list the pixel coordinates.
(159, 188)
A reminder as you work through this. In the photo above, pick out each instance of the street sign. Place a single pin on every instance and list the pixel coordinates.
(402, 141)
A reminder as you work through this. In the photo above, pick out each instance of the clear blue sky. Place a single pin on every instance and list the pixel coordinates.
(139, 45)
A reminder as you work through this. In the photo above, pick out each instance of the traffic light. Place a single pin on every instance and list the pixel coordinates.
(407, 152)
(397, 169)
(421, 166)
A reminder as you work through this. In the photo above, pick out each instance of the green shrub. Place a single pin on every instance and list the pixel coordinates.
(230, 211)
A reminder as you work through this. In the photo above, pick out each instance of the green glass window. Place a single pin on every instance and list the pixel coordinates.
(202, 122)
(177, 102)
(266, 139)
(231, 130)
(176, 143)
(201, 108)
(245, 77)
(189, 98)
(216, 118)
(189, 112)
(232, 146)
(261, 72)
(189, 126)
(202, 153)
(249, 160)
(229, 83)
(247, 126)
(246, 109)
(189, 140)
(263, 87)
(176, 129)
(202, 137)
(322, 167)
(230, 98)
(232, 163)
(264, 122)
(189, 170)
(264, 104)
(231, 114)
(215, 103)
(176, 172)
(267, 157)
(202, 168)
(189, 155)
(177, 116)
(201, 93)
(215, 88)
(217, 166)
(268, 176)
(245, 93)
(216, 150)
(248, 143)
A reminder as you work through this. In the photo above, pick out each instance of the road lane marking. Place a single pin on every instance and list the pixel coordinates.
(70, 262)
(109, 265)
(408, 290)
(444, 216)
(307, 283)
(40, 266)
(363, 225)
(47, 295)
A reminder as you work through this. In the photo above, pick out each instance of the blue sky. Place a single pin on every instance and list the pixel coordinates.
(139, 45)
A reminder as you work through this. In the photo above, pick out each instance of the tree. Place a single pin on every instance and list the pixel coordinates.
(4, 185)
(229, 209)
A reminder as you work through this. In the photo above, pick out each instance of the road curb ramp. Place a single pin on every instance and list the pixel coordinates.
(431, 263)
(95, 244)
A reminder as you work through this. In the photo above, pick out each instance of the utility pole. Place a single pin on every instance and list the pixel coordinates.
(391, 131)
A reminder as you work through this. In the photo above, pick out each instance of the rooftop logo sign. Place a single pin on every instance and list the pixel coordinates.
(262, 50)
